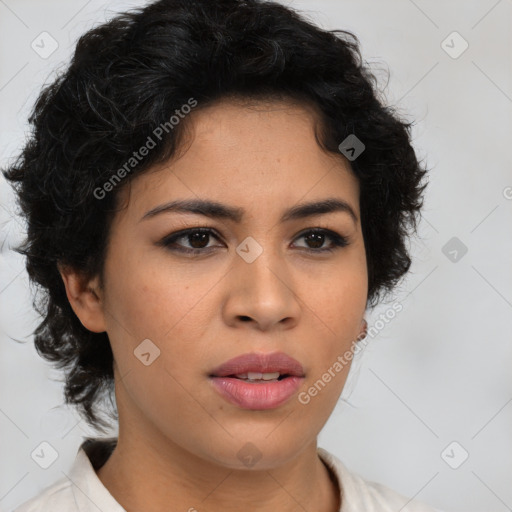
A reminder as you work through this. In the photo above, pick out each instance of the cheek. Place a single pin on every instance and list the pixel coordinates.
(152, 302)
(150, 299)
(163, 304)
(337, 308)
(338, 301)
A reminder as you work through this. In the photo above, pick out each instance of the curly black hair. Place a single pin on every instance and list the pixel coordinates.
(127, 77)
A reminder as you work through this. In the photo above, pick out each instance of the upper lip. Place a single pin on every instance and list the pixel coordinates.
(262, 363)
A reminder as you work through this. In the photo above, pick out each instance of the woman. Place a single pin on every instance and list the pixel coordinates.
(214, 196)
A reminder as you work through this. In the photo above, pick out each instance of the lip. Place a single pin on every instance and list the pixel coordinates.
(263, 363)
(258, 395)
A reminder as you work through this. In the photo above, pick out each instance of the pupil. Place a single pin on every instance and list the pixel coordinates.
(198, 237)
(319, 239)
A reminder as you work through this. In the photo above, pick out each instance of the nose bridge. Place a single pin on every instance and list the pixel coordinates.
(260, 260)
(261, 277)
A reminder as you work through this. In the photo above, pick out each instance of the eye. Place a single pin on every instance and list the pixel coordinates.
(199, 238)
(317, 237)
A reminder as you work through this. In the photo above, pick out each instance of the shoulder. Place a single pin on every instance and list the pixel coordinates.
(360, 494)
(58, 497)
(80, 490)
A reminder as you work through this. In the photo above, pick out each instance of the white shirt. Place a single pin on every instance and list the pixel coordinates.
(83, 491)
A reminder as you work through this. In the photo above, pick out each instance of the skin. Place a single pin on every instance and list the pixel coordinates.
(178, 438)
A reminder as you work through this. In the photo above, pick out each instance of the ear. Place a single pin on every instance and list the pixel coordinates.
(85, 298)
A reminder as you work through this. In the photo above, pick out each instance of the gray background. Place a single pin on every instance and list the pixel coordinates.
(439, 372)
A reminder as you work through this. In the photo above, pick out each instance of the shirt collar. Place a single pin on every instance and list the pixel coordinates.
(88, 490)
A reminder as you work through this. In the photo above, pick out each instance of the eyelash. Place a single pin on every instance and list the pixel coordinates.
(338, 241)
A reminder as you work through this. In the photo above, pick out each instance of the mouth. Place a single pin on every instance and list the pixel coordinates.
(255, 366)
(258, 381)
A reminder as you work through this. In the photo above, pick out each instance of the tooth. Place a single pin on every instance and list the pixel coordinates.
(270, 376)
(262, 376)
(254, 376)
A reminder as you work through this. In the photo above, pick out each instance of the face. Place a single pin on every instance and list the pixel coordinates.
(254, 284)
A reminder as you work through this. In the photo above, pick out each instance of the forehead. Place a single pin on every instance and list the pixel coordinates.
(240, 126)
(247, 152)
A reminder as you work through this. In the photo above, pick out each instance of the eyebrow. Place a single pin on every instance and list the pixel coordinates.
(217, 210)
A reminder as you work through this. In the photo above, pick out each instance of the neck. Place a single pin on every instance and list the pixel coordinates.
(150, 476)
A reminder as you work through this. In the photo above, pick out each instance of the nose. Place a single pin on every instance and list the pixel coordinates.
(262, 293)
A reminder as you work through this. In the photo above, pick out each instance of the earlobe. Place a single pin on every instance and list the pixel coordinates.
(364, 331)
(85, 297)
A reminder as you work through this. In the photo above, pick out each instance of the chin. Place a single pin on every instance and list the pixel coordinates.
(256, 452)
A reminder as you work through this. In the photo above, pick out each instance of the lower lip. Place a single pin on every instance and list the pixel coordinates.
(257, 395)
